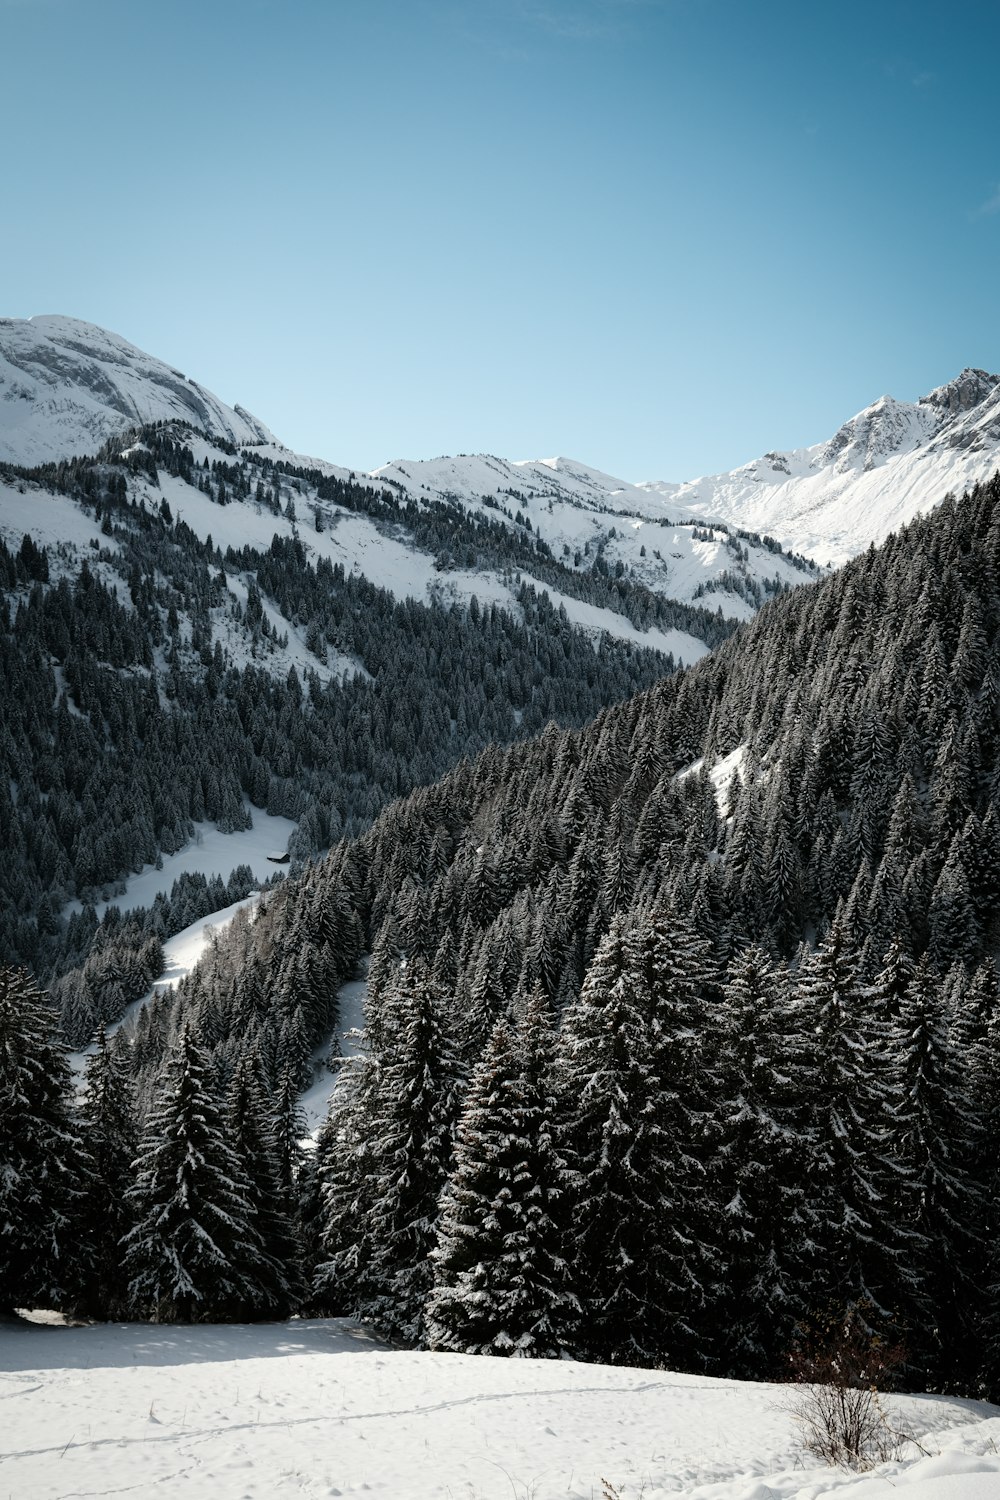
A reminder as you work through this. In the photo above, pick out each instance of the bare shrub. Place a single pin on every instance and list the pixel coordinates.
(838, 1406)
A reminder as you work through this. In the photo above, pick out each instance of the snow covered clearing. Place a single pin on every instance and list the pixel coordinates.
(209, 853)
(686, 649)
(316, 1099)
(720, 773)
(321, 1408)
(54, 521)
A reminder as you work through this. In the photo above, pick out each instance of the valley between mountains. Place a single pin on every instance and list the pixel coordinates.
(488, 907)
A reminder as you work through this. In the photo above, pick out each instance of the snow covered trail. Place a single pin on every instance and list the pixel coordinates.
(321, 1408)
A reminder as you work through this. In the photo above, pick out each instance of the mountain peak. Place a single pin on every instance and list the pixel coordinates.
(66, 386)
(969, 389)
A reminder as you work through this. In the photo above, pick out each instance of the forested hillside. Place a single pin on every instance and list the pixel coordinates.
(154, 680)
(681, 1027)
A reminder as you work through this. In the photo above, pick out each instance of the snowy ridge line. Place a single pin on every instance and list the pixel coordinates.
(889, 463)
(70, 387)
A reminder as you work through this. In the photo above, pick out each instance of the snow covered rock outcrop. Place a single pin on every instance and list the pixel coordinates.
(887, 464)
(67, 386)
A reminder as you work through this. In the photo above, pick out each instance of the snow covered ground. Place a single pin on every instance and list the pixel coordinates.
(315, 1100)
(321, 1409)
(209, 853)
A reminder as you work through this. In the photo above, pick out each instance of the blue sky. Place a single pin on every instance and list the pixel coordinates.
(661, 236)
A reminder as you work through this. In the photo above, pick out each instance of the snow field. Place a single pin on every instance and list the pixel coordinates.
(52, 520)
(209, 853)
(320, 1409)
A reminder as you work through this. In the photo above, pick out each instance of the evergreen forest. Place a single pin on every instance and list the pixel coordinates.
(682, 1030)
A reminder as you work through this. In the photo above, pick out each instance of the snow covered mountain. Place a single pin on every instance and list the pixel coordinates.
(891, 462)
(67, 386)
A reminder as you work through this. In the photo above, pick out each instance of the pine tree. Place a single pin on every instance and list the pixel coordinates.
(761, 1150)
(934, 1143)
(109, 1113)
(393, 1159)
(193, 1253)
(501, 1280)
(677, 978)
(252, 1132)
(620, 1153)
(344, 1187)
(44, 1171)
(860, 1250)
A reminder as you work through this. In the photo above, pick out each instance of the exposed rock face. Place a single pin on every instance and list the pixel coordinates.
(967, 390)
(884, 466)
(66, 387)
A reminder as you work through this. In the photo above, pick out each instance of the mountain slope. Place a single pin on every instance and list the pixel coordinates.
(67, 386)
(583, 514)
(887, 464)
(191, 635)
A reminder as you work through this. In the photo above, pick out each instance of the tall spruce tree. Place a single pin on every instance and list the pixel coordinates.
(621, 1155)
(252, 1133)
(502, 1284)
(861, 1253)
(762, 1148)
(109, 1114)
(194, 1253)
(45, 1254)
(935, 1141)
(676, 978)
(383, 1199)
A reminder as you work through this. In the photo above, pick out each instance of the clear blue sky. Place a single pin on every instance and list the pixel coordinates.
(661, 236)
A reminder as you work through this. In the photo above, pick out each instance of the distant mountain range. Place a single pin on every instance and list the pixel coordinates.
(67, 386)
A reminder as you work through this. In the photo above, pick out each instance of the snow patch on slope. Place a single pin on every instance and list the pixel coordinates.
(209, 853)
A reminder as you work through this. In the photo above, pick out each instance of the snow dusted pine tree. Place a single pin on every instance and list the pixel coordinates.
(935, 1139)
(861, 1253)
(762, 1146)
(383, 1197)
(44, 1174)
(108, 1110)
(344, 1175)
(252, 1132)
(193, 1254)
(501, 1280)
(677, 978)
(621, 1158)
